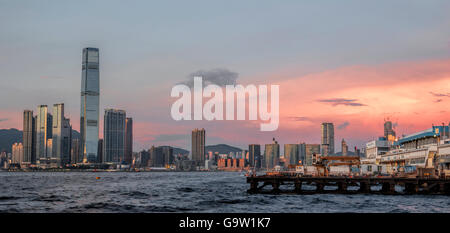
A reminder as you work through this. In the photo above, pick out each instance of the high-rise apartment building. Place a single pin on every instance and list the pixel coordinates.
(61, 136)
(198, 146)
(156, 157)
(271, 155)
(90, 100)
(291, 154)
(310, 151)
(254, 155)
(302, 153)
(28, 139)
(43, 131)
(100, 151)
(114, 136)
(128, 140)
(327, 138)
(167, 155)
(75, 155)
(17, 153)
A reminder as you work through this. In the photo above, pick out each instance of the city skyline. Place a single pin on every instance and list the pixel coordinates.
(371, 78)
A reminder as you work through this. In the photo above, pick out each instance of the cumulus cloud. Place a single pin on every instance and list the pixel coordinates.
(219, 76)
(342, 101)
(343, 125)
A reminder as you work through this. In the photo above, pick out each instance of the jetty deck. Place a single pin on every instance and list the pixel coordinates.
(347, 185)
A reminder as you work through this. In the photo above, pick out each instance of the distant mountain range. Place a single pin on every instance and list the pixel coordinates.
(10, 136)
(222, 149)
(177, 151)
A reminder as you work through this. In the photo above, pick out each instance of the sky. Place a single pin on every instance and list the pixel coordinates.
(353, 63)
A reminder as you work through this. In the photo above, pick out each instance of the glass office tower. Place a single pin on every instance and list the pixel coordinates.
(89, 113)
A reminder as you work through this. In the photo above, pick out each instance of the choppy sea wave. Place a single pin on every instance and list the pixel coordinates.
(182, 192)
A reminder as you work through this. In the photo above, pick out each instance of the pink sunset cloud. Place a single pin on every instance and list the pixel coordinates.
(363, 96)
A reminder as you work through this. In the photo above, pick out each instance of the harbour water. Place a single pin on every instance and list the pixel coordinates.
(183, 192)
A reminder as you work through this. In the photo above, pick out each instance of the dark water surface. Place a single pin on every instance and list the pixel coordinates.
(182, 192)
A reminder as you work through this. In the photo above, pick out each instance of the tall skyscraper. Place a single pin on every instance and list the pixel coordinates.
(90, 101)
(198, 146)
(327, 138)
(128, 140)
(271, 155)
(114, 136)
(43, 131)
(28, 137)
(254, 155)
(291, 154)
(61, 137)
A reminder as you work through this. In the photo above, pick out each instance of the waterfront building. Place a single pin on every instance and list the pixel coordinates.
(311, 150)
(198, 146)
(61, 136)
(128, 140)
(114, 136)
(43, 131)
(443, 159)
(142, 159)
(417, 151)
(100, 151)
(29, 136)
(302, 153)
(156, 157)
(167, 152)
(291, 154)
(327, 139)
(75, 153)
(254, 155)
(49, 149)
(90, 94)
(374, 149)
(271, 154)
(17, 153)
